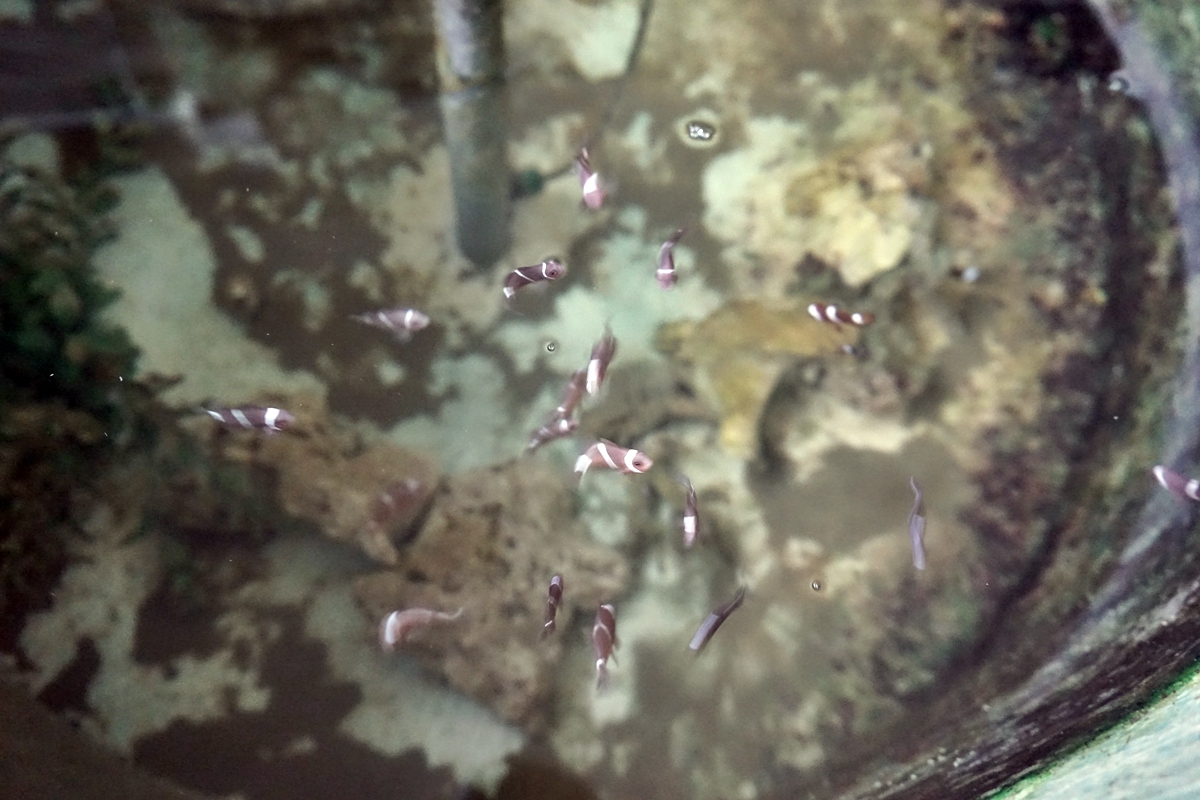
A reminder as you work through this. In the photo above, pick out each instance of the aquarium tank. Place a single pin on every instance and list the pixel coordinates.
(674, 399)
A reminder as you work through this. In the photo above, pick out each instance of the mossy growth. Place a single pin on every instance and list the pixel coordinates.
(54, 342)
(66, 392)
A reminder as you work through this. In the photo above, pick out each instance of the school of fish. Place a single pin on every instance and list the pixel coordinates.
(402, 324)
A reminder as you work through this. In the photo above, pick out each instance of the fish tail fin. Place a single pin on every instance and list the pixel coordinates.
(601, 676)
(582, 463)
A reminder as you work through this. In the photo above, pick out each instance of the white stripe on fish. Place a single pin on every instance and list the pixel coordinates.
(606, 454)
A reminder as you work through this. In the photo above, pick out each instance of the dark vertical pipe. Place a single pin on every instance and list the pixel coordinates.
(474, 117)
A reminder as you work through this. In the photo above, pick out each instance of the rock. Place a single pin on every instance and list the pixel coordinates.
(365, 495)
(860, 208)
(738, 353)
(490, 545)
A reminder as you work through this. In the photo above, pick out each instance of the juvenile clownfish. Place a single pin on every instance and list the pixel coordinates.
(604, 641)
(402, 323)
(553, 601)
(611, 456)
(691, 520)
(827, 312)
(261, 418)
(397, 626)
(590, 183)
(556, 428)
(1176, 484)
(572, 394)
(665, 274)
(602, 356)
(549, 270)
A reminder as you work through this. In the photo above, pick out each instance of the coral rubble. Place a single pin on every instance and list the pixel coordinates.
(492, 540)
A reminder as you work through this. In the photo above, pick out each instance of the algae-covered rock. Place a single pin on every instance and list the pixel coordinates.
(738, 353)
(367, 495)
(490, 545)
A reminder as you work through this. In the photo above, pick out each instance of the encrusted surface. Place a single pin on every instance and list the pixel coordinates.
(492, 542)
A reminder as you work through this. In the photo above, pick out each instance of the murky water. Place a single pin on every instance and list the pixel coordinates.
(958, 179)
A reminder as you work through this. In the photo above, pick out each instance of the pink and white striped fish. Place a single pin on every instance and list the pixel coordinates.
(602, 356)
(666, 261)
(572, 394)
(553, 601)
(400, 322)
(549, 270)
(397, 626)
(556, 428)
(1176, 484)
(827, 312)
(608, 455)
(260, 418)
(589, 182)
(691, 520)
(604, 641)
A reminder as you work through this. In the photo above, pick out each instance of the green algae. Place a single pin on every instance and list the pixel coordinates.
(54, 340)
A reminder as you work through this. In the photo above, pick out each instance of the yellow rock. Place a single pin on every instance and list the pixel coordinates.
(738, 353)
(859, 211)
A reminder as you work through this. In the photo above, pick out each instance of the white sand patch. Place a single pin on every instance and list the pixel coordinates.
(100, 600)
(401, 708)
(163, 264)
(597, 38)
(473, 427)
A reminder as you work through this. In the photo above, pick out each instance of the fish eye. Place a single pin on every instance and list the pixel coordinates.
(551, 346)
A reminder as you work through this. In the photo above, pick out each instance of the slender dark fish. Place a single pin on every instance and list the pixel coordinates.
(1176, 484)
(604, 639)
(269, 419)
(716, 619)
(602, 356)
(553, 601)
(666, 261)
(916, 526)
(549, 270)
(826, 312)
